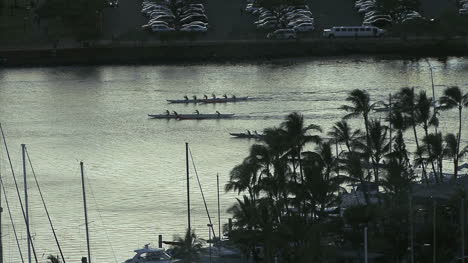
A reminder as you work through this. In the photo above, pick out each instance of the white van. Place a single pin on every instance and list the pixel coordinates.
(353, 31)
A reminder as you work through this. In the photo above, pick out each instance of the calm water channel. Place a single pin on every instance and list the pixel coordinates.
(136, 166)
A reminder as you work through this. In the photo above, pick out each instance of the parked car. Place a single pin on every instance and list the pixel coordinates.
(112, 3)
(190, 9)
(150, 23)
(378, 22)
(265, 14)
(192, 18)
(269, 18)
(194, 13)
(160, 13)
(304, 27)
(165, 18)
(162, 28)
(268, 25)
(250, 8)
(304, 12)
(296, 22)
(282, 34)
(193, 28)
(353, 31)
(197, 6)
(297, 16)
(198, 23)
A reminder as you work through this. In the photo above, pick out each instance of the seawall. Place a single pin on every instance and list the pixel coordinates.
(138, 52)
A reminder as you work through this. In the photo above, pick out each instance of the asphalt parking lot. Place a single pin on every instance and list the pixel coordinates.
(228, 22)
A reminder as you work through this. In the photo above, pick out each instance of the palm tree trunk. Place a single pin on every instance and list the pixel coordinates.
(294, 166)
(455, 173)
(440, 169)
(369, 145)
(426, 132)
(424, 175)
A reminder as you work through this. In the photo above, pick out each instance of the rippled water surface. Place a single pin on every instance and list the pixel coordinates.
(136, 166)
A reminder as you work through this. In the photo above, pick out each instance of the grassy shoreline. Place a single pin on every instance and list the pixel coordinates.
(139, 52)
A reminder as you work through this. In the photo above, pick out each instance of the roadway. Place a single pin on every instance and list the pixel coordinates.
(228, 22)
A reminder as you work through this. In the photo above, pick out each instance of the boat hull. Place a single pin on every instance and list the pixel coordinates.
(162, 116)
(190, 116)
(204, 116)
(212, 100)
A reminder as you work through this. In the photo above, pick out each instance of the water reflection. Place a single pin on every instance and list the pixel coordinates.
(135, 166)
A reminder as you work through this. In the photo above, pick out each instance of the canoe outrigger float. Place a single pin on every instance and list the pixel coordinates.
(247, 135)
(195, 116)
(213, 99)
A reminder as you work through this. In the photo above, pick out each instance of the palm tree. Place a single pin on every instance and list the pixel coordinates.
(342, 133)
(321, 186)
(243, 177)
(361, 106)
(450, 151)
(424, 117)
(380, 145)
(53, 259)
(188, 247)
(296, 135)
(353, 165)
(436, 143)
(453, 98)
(406, 105)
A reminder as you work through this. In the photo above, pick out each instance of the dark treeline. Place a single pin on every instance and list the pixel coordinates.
(291, 203)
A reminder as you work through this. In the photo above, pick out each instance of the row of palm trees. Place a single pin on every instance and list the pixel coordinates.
(291, 196)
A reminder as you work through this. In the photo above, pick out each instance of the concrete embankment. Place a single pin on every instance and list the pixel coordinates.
(199, 51)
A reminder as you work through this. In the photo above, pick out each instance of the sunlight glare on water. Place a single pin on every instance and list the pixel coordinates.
(135, 166)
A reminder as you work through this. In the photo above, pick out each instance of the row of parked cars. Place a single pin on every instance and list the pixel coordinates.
(284, 23)
(463, 7)
(372, 16)
(167, 16)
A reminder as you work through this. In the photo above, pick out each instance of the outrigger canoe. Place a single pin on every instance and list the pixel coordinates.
(162, 116)
(210, 100)
(204, 116)
(190, 116)
(247, 135)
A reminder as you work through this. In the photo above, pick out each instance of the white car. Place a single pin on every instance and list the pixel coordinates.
(268, 25)
(192, 18)
(297, 16)
(194, 13)
(282, 34)
(194, 28)
(165, 18)
(156, 22)
(151, 23)
(305, 27)
(197, 6)
(161, 28)
(353, 31)
(159, 13)
(250, 8)
(266, 19)
(304, 12)
(198, 23)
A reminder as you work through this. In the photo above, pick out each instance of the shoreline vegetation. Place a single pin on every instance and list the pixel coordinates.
(294, 206)
(155, 52)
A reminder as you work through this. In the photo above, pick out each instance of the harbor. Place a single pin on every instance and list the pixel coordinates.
(136, 167)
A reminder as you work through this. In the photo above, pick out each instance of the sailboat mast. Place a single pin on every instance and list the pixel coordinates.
(1, 211)
(219, 213)
(188, 185)
(85, 211)
(28, 232)
(188, 202)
